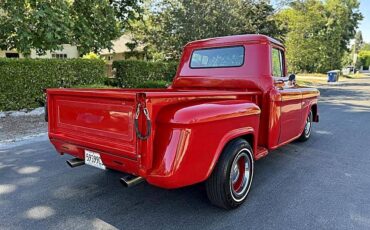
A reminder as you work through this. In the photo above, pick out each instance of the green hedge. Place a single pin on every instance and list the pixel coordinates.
(133, 73)
(364, 58)
(23, 80)
(154, 84)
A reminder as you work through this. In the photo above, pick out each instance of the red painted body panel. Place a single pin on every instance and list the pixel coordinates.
(191, 137)
(192, 121)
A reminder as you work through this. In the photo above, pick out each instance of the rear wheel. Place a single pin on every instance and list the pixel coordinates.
(306, 134)
(230, 182)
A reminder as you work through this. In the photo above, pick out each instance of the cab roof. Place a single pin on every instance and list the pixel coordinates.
(234, 39)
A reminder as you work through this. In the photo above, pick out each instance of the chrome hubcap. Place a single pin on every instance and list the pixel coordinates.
(307, 128)
(240, 173)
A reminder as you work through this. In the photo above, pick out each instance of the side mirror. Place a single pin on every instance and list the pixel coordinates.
(292, 81)
(292, 77)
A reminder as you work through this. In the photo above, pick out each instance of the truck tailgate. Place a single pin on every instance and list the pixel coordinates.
(94, 119)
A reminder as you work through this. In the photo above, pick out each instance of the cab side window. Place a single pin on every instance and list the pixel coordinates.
(277, 63)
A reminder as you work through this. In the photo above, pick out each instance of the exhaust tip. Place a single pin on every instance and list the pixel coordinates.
(75, 162)
(129, 181)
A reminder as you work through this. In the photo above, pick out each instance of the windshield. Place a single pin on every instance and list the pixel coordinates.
(218, 57)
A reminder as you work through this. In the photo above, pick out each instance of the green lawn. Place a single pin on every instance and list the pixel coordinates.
(313, 79)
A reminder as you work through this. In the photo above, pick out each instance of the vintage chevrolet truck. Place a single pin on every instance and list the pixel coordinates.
(229, 105)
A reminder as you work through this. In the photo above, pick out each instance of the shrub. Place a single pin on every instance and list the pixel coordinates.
(132, 73)
(134, 55)
(364, 58)
(112, 82)
(94, 86)
(91, 55)
(154, 84)
(23, 80)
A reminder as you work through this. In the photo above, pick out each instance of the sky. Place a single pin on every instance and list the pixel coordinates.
(365, 24)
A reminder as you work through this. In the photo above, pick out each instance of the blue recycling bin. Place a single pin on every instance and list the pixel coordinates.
(333, 76)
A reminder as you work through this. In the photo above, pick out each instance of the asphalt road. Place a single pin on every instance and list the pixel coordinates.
(321, 184)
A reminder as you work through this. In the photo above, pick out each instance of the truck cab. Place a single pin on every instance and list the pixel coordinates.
(230, 103)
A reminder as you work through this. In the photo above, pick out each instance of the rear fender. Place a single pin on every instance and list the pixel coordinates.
(233, 134)
(191, 136)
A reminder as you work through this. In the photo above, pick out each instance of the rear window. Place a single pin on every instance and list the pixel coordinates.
(218, 57)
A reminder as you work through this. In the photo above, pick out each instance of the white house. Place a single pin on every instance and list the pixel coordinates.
(68, 51)
(119, 49)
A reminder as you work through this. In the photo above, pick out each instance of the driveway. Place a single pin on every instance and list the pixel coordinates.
(320, 184)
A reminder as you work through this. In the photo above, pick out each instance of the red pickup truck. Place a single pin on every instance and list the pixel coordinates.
(230, 104)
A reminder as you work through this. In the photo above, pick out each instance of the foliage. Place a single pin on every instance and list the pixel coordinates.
(364, 58)
(167, 25)
(111, 82)
(366, 46)
(94, 86)
(349, 56)
(319, 33)
(154, 84)
(91, 55)
(131, 45)
(23, 80)
(359, 42)
(95, 25)
(131, 73)
(134, 55)
(44, 25)
(347, 59)
(127, 10)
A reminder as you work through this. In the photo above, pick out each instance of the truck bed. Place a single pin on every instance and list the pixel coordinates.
(102, 120)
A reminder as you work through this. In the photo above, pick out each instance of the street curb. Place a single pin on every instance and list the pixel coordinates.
(23, 140)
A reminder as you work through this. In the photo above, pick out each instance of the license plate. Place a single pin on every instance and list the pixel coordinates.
(93, 159)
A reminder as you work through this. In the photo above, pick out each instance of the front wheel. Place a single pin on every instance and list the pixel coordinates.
(306, 134)
(230, 182)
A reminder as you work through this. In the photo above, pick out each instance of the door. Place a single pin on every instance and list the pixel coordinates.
(291, 100)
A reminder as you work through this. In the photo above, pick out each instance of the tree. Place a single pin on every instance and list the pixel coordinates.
(167, 25)
(42, 25)
(366, 46)
(94, 25)
(319, 32)
(47, 24)
(363, 59)
(260, 19)
(304, 23)
(359, 42)
(126, 10)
